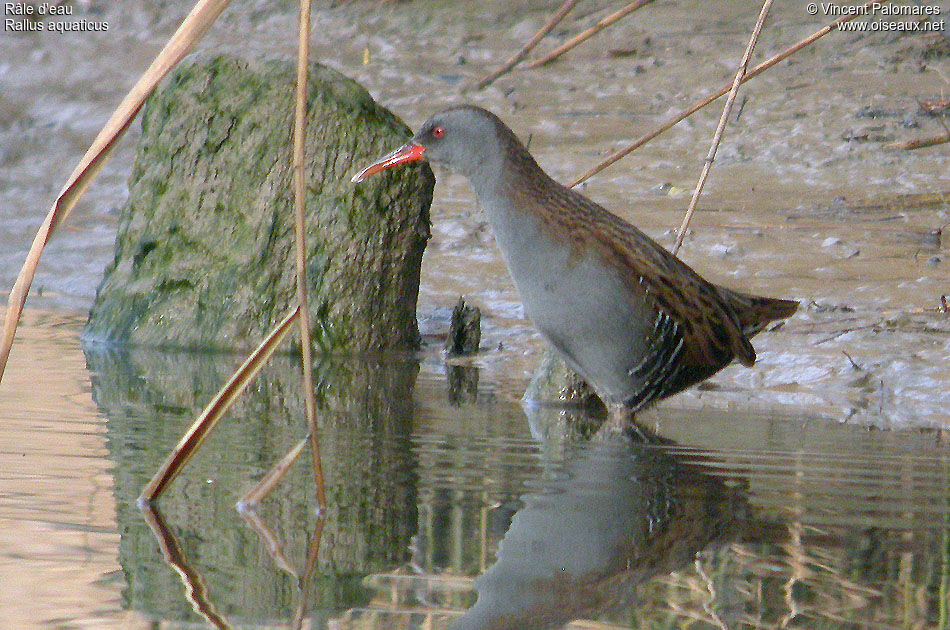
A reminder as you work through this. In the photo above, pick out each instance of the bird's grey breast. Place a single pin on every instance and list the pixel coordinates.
(584, 307)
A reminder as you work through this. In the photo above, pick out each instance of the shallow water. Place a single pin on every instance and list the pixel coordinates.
(775, 499)
(737, 519)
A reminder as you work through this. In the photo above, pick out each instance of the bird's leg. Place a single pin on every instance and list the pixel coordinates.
(622, 422)
(619, 419)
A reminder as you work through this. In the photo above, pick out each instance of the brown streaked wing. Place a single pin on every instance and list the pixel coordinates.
(711, 331)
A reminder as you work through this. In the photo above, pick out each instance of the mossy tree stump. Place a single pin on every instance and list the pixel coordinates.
(204, 250)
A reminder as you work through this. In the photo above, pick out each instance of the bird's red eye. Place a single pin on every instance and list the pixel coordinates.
(438, 132)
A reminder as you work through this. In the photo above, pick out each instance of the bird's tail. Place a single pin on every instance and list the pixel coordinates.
(755, 312)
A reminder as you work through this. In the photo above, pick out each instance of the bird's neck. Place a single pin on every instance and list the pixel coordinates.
(511, 191)
(506, 182)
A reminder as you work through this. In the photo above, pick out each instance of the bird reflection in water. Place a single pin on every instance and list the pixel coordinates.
(609, 515)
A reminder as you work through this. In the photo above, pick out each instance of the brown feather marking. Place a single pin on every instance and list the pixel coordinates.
(715, 323)
(711, 330)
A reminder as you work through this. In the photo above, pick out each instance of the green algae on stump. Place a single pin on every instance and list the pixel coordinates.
(204, 250)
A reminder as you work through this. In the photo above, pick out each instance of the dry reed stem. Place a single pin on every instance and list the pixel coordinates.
(721, 126)
(585, 35)
(555, 19)
(195, 588)
(759, 69)
(253, 497)
(313, 556)
(194, 26)
(918, 143)
(274, 547)
(246, 507)
(221, 402)
(300, 231)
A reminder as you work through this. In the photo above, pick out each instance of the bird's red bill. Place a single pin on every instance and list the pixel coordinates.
(409, 152)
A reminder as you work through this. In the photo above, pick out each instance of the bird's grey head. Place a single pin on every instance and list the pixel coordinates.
(468, 140)
(463, 139)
